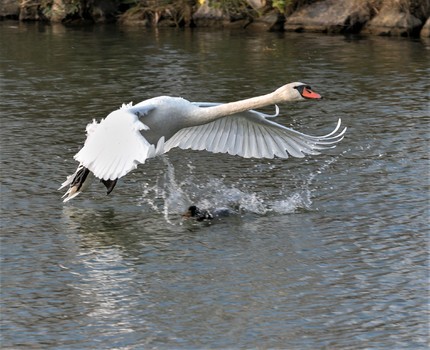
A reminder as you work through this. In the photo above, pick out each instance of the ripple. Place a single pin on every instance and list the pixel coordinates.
(322, 252)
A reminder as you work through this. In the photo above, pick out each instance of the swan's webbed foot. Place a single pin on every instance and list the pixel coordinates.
(77, 182)
(79, 179)
(109, 184)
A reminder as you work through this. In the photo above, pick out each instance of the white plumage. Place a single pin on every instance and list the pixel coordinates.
(115, 146)
(130, 135)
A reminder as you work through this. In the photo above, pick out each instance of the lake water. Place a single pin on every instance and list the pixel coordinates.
(330, 251)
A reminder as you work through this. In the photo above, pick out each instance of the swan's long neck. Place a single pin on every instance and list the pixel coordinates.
(222, 110)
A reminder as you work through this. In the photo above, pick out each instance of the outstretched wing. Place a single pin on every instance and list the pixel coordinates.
(250, 135)
(115, 146)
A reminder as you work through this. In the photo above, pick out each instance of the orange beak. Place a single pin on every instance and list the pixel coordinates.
(308, 93)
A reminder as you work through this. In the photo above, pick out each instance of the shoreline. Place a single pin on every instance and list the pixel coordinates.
(404, 18)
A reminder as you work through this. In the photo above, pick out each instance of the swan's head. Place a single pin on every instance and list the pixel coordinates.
(295, 92)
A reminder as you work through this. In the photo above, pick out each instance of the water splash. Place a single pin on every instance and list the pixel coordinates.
(167, 195)
(172, 196)
(216, 194)
(298, 200)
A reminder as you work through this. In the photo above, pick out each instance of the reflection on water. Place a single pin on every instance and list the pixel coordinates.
(323, 252)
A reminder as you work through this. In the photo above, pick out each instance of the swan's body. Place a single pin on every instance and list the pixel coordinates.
(132, 134)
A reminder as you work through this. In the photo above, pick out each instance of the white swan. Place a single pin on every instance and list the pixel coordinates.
(132, 134)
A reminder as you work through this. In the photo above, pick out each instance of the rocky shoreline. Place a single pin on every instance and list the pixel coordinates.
(406, 18)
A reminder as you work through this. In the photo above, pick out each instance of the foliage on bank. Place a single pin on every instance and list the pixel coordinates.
(407, 17)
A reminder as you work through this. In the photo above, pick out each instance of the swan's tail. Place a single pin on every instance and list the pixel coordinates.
(78, 182)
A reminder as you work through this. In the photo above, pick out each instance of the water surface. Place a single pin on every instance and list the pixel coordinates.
(330, 251)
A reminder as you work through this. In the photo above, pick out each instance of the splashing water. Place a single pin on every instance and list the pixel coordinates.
(167, 195)
(171, 196)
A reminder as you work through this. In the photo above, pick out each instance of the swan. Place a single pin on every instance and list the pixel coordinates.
(132, 134)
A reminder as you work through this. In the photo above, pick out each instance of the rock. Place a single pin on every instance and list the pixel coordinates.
(392, 21)
(331, 16)
(270, 22)
(168, 15)
(134, 17)
(58, 11)
(206, 16)
(29, 11)
(425, 31)
(103, 11)
(257, 4)
(9, 9)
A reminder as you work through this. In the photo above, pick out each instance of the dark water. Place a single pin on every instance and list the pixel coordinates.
(325, 252)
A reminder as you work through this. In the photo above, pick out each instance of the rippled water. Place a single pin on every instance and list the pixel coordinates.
(323, 252)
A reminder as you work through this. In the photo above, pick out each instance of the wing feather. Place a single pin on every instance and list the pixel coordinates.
(238, 145)
(199, 142)
(211, 135)
(250, 134)
(231, 137)
(253, 142)
(218, 135)
(262, 144)
(276, 147)
(115, 146)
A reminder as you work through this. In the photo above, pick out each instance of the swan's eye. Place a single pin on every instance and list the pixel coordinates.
(300, 88)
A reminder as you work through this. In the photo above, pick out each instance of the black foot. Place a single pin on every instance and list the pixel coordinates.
(80, 178)
(110, 184)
